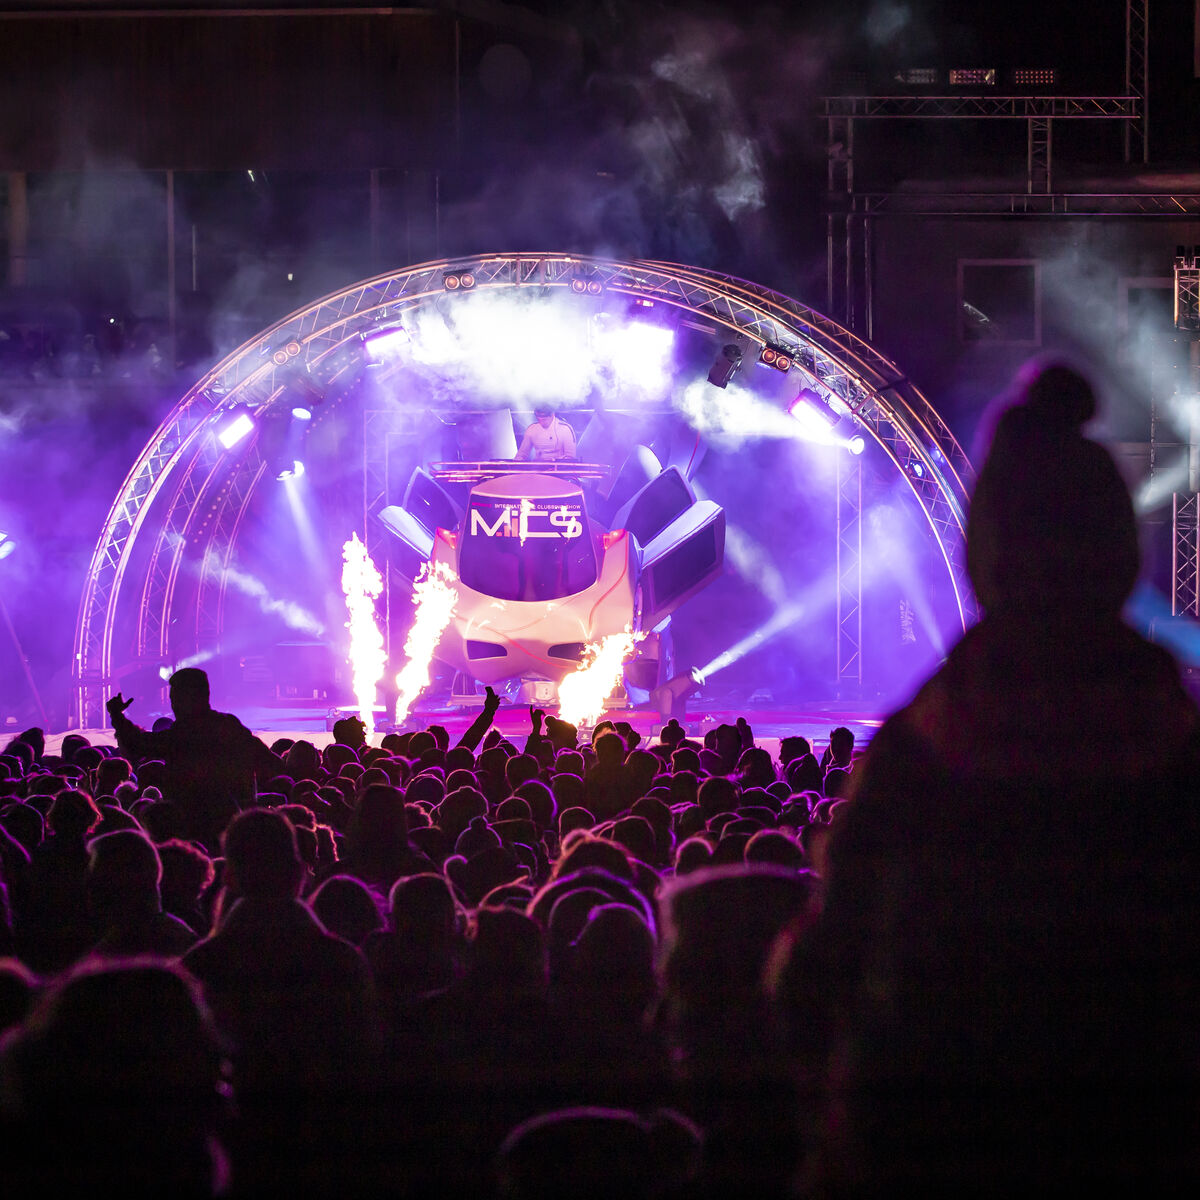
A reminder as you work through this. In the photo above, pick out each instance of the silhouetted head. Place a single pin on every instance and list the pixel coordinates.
(1051, 525)
(350, 731)
(124, 871)
(73, 814)
(347, 907)
(841, 745)
(261, 856)
(189, 692)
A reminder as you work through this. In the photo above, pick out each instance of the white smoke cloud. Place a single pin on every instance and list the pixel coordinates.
(732, 416)
(293, 615)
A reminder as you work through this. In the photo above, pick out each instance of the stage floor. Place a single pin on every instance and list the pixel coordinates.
(769, 723)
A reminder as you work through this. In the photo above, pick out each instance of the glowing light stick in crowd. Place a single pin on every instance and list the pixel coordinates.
(434, 595)
(362, 584)
(582, 694)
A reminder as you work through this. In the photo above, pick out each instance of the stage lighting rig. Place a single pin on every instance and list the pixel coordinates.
(286, 353)
(918, 76)
(671, 698)
(586, 285)
(240, 425)
(777, 357)
(1035, 77)
(728, 363)
(458, 281)
(973, 77)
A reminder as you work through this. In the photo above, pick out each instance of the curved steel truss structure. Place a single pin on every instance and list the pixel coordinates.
(155, 586)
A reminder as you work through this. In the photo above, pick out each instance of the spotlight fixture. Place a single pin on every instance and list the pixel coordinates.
(382, 345)
(454, 281)
(726, 366)
(295, 471)
(7, 545)
(286, 353)
(812, 411)
(586, 285)
(856, 444)
(774, 356)
(301, 413)
(973, 77)
(235, 429)
(671, 698)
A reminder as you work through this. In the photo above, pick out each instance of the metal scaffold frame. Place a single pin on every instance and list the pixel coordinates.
(849, 571)
(188, 494)
(1185, 557)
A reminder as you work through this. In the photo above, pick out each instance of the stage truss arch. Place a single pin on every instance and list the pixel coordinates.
(170, 534)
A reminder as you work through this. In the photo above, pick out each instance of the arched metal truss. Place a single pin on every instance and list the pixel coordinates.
(154, 591)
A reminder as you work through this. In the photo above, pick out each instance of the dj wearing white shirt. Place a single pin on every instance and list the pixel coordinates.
(548, 439)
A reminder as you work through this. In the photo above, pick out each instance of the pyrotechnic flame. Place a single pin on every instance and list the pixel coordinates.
(434, 595)
(582, 694)
(362, 584)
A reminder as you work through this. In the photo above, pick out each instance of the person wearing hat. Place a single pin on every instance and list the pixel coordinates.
(548, 439)
(1006, 953)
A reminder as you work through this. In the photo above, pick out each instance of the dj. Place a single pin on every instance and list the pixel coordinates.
(548, 439)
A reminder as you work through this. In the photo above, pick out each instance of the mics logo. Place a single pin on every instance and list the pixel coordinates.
(528, 520)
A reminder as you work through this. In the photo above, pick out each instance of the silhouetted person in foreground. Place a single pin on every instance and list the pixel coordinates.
(212, 759)
(113, 1086)
(299, 1008)
(1005, 973)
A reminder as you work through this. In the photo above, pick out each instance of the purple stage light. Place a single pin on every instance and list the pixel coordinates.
(814, 417)
(235, 430)
(641, 351)
(637, 351)
(386, 344)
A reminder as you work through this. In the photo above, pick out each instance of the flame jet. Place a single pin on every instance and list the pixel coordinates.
(362, 584)
(581, 695)
(435, 595)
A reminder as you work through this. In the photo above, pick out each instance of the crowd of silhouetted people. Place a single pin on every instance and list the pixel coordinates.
(964, 961)
(407, 966)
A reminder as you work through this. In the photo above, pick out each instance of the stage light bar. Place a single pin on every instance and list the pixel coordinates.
(454, 281)
(973, 77)
(726, 366)
(235, 430)
(1035, 77)
(586, 285)
(774, 356)
(383, 345)
(809, 409)
(918, 76)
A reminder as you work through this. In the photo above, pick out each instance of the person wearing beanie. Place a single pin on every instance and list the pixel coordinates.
(1007, 944)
